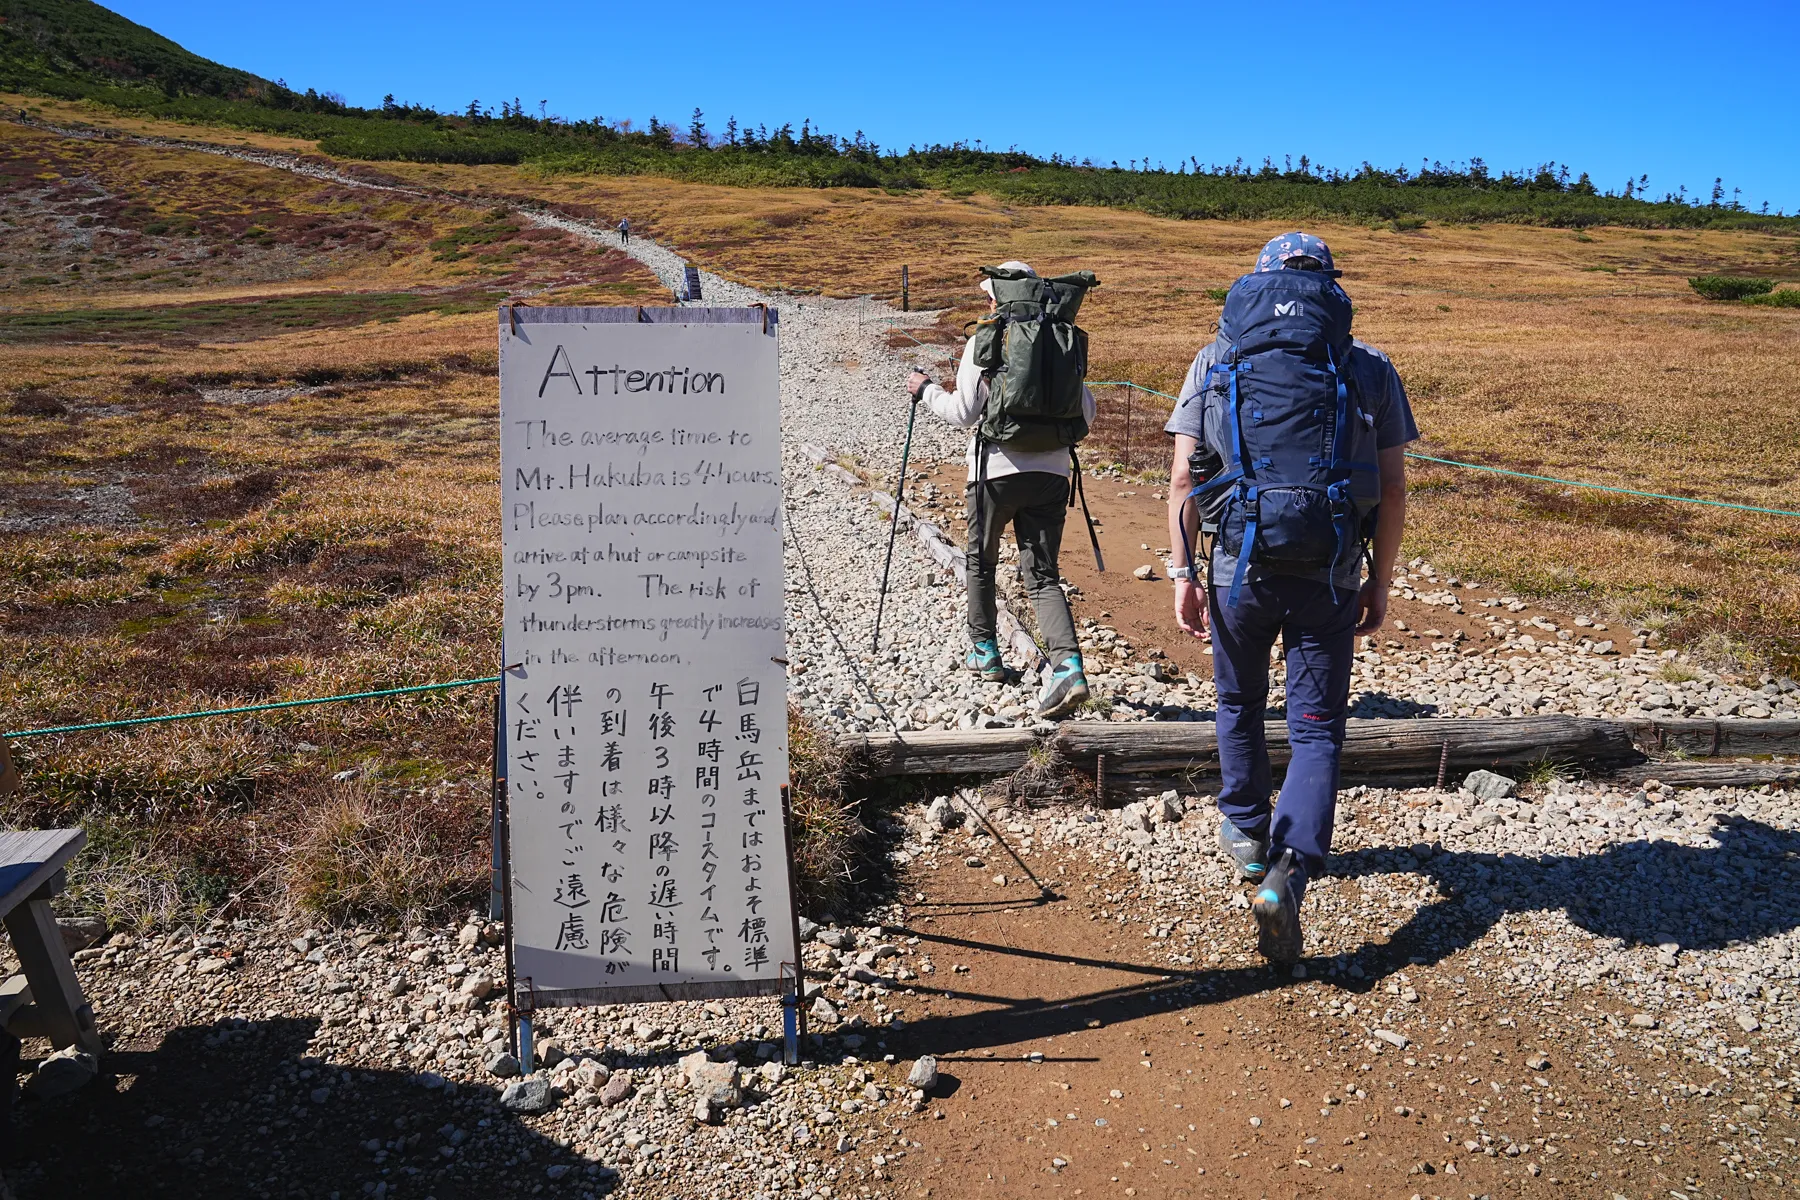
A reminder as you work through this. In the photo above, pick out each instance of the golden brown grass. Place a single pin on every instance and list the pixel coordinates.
(829, 836)
(359, 851)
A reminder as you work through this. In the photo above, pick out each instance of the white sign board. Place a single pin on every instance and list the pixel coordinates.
(646, 704)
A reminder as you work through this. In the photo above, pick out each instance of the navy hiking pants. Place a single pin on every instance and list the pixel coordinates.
(1316, 624)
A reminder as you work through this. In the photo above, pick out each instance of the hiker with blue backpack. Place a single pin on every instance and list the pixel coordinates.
(1020, 387)
(1289, 473)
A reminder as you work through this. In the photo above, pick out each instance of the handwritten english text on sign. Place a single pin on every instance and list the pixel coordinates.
(646, 718)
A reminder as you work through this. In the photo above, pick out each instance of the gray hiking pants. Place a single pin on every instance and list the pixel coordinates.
(1035, 504)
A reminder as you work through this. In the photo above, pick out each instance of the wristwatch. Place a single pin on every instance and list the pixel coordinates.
(1181, 573)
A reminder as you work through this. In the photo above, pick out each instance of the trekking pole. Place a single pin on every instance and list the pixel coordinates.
(894, 526)
(1075, 490)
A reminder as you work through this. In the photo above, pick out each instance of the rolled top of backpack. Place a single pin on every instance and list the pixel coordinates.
(1061, 295)
(1081, 279)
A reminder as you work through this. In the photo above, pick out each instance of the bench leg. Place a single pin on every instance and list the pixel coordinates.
(67, 1018)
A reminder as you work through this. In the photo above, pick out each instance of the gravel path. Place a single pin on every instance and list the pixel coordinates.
(297, 1062)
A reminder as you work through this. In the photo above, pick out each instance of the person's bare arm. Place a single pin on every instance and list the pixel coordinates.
(1184, 540)
(1390, 521)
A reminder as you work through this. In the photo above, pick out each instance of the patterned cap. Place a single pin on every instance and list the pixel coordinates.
(1274, 256)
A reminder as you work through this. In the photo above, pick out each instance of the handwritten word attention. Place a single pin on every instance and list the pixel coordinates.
(685, 381)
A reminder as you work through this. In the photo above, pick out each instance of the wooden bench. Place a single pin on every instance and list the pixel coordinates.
(45, 1000)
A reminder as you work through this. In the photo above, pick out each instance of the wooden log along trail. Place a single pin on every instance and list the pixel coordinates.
(1383, 752)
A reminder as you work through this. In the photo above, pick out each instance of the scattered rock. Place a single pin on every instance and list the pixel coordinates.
(618, 1089)
(502, 1066)
(1486, 785)
(78, 933)
(1398, 1041)
(61, 1073)
(924, 1073)
(531, 1094)
(590, 1075)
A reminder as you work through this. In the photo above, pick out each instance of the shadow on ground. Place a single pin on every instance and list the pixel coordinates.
(238, 1109)
(1745, 888)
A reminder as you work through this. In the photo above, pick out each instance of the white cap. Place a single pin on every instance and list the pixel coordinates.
(987, 285)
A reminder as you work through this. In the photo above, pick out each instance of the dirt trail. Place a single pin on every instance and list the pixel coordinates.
(1236, 1081)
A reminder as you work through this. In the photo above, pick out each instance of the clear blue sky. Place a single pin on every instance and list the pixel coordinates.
(1681, 92)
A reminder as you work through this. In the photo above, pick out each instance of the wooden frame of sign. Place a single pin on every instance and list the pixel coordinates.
(644, 711)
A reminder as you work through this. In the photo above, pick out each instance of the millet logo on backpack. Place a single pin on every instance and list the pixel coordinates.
(1289, 309)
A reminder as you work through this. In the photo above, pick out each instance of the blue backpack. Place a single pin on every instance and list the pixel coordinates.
(1300, 484)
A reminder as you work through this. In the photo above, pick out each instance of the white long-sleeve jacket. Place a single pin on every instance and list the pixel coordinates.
(963, 408)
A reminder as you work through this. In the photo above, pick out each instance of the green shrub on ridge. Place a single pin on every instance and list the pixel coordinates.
(1730, 287)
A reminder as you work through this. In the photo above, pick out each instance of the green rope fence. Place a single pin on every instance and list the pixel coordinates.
(250, 708)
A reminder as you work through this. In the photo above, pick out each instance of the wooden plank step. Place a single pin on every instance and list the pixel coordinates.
(941, 752)
(1713, 737)
(1398, 751)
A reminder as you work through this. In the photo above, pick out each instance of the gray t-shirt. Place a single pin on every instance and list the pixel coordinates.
(1377, 387)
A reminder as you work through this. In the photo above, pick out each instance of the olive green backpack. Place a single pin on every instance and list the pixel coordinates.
(1035, 357)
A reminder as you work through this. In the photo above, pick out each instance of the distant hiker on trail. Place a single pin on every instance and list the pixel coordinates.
(624, 231)
(1019, 387)
(1290, 461)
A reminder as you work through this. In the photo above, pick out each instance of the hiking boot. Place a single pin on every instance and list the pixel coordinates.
(1251, 854)
(1277, 913)
(984, 660)
(1066, 691)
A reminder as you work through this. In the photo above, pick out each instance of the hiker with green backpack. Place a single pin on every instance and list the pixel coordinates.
(1020, 388)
